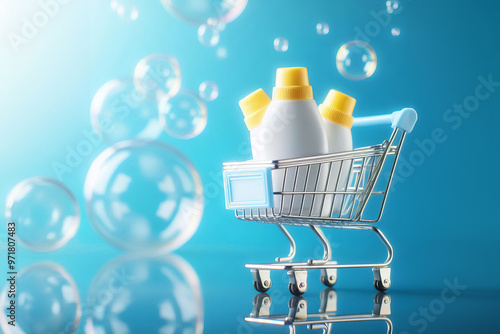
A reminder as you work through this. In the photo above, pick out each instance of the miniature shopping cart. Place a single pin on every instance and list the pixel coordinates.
(346, 190)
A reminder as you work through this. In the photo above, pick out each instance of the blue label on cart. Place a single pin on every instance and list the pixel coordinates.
(248, 189)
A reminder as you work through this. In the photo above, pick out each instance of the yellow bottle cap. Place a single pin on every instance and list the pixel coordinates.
(254, 107)
(292, 83)
(338, 108)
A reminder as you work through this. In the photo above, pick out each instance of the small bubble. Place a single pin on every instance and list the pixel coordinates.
(395, 32)
(322, 28)
(392, 5)
(216, 23)
(209, 90)
(208, 36)
(280, 44)
(356, 60)
(127, 12)
(222, 53)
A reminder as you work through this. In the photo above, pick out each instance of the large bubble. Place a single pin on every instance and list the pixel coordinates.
(119, 111)
(45, 213)
(184, 115)
(163, 292)
(144, 196)
(47, 301)
(200, 11)
(356, 60)
(158, 75)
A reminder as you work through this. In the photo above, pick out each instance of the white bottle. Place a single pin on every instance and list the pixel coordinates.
(292, 127)
(336, 111)
(254, 107)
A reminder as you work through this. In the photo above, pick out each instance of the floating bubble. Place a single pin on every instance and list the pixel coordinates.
(222, 53)
(144, 196)
(113, 4)
(158, 75)
(216, 23)
(164, 291)
(209, 90)
(199, 11)
(125, 9)
(280, 44)
(395, 32)
(119, 111)
(184, 115)
(356, 60)
(392, 5)
(208, 36)
(322, 28)
(45, 212)
(47, 301)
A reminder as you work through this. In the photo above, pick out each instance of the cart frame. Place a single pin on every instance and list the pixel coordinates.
(269, 192)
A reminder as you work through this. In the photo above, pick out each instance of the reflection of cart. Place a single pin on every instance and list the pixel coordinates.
(324, 319)
(345, 190)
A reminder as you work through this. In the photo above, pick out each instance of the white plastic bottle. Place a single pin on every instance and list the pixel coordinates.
(292, 127)
(254, 107)
(336, 111)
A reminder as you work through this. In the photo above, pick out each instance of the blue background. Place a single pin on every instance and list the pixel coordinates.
(439, 217)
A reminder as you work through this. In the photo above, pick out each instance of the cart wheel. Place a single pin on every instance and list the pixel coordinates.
(379, 285)
(328, 277)
(261, 280)
(298, 282)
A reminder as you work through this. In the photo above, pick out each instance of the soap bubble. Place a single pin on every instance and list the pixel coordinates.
(322, 28)
(158, 75)
(392, 5)
(356, 60)
(208, 36)
(395, 32)
(163, 291)
(209, 90)
(125, 9)
(280, 44)
(47, 301)
(119, 111)
(144, 196)
(184, 115)
(216, 23)
(45, 212)
(199, 11)
(222, 53)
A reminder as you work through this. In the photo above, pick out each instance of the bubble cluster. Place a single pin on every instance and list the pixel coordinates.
(356, 60)
(200, 11)
(164, 291)
(392, 5)
(395, 31)
(322, 28)
(45, 212)
(120, 111)
(126, 10)
(280, 44)
(144, 196)
(158, 75)
(184, 115)
(209, 90)
(208, 36)
(47, 301)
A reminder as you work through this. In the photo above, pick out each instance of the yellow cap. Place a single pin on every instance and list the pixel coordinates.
(292, 83)
(338, 108)
(254, 107)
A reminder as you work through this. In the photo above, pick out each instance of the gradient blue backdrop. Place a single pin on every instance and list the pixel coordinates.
(441, 216)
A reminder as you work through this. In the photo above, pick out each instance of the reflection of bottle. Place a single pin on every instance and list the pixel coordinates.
(254, 107)
(337, 117)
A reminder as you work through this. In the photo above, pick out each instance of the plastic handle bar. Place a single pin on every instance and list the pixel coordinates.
(404, 119)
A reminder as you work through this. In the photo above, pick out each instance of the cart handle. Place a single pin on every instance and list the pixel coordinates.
(404, 119)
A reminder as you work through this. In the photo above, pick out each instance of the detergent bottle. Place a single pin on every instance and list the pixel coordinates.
(254, 107)
(336, 111)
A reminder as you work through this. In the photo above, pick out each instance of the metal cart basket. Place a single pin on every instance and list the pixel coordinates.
(345, 190)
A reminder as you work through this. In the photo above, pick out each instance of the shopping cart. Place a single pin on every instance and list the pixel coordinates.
(346, 190)
(326, 316)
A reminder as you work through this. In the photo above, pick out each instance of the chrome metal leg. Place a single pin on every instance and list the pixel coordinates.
(291, 255)
(327, 254)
